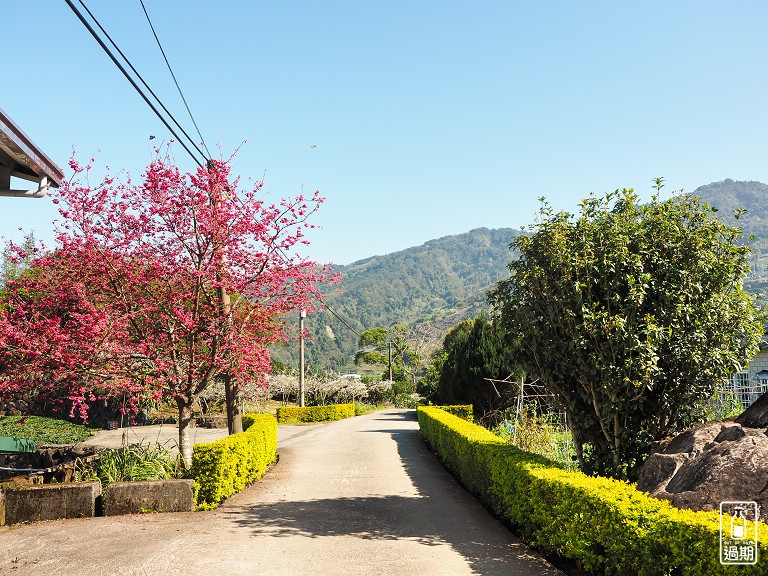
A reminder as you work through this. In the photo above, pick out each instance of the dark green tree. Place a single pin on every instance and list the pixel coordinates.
(479, 368)
(374, 349)
(631, 314)
(428, 385)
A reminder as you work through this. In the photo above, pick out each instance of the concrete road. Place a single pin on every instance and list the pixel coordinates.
(358, 496)
(166, 435)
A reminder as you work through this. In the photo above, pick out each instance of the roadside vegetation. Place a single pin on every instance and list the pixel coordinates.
(132, 462)
(629, 315)
(156, 290)
(44, 430)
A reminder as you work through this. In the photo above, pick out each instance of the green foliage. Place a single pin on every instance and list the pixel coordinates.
(606, 526)
(429, 383)
(373, 347)
(477, 350)
(722, 405)
(249, 420)
(361, 408)
(403, 394)
(224, 467)
(539, 434)
(377, 344)
(133, 462)
(463, 411)
(315, 413)
(43, 430)
(631, 314)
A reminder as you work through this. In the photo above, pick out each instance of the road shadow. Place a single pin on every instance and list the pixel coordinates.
(396, 416)
(443, 512)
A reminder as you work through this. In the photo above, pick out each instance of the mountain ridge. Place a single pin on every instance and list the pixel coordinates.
(435, 285)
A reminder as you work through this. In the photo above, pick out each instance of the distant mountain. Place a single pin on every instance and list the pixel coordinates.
(429, 287)
(728, 196)
(436, 285)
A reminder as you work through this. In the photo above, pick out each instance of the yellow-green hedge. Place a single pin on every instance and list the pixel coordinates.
(315, 413)
(249, 419)
(606, 526)
(463, 411)
(224, 467)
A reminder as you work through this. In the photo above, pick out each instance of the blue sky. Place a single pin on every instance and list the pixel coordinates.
(429, 118)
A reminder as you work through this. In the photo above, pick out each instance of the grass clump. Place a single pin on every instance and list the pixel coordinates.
(43, 430)
(540, 434)
(361, 408)
(130, 463)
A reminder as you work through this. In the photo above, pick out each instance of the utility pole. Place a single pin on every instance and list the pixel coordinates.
(389, 353)
(302, 315)
(231, 392)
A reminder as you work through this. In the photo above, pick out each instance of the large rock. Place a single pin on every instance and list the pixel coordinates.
(756, 416)
(715, 462)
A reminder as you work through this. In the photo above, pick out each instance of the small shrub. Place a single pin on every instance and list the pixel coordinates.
(540, 434)
(132, 462)
(224, 467)
(362, 408)
(315, 413)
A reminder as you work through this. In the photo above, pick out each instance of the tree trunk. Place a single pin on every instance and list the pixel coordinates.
(185, 429)
(234, 417)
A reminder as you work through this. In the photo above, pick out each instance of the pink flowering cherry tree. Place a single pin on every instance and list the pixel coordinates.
(160, 288)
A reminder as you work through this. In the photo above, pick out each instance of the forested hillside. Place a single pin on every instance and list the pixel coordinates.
(436, 285)
(429, 287)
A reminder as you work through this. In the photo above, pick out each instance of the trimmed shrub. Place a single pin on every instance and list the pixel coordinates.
(606, 526)
(463, 411)
(248, 420)
(315, 413)
(224, 467)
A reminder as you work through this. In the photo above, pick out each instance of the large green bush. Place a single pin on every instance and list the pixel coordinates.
(477, 350)
(224, 467)
(315, 413)
(606, 526)
(631, 313)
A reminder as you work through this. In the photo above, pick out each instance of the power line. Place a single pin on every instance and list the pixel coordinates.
(325, 305)
(132, 81)
(174, 78)
(340, 319)
(156, 97)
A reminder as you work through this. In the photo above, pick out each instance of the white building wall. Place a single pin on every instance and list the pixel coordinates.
(748, 386)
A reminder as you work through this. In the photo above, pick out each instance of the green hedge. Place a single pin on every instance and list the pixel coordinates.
(315, 413)
(249, 419)
(463, 411)
(224, 467)
(604, 525)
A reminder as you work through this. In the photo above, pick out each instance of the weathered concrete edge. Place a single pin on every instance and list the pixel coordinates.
(49, 502)
(138, 497)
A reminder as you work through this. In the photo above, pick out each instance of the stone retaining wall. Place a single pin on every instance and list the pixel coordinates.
(149, 496)
(34, 503)
(49, 502)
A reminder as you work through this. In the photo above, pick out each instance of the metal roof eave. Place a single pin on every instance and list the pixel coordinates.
(20, 156)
